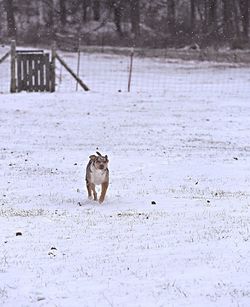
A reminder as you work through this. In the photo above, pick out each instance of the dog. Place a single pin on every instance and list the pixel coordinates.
(97, 173)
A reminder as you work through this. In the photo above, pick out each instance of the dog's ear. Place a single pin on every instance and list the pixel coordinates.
(92, 157)
(106, 157)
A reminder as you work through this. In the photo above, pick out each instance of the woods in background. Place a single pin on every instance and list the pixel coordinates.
(155, 23)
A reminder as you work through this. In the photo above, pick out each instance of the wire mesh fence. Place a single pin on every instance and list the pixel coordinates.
(4, 71)
(109, 73)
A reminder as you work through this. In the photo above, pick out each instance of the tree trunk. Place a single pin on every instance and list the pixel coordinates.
(171, 17)
(212, 17)
(96, 10)
(63, 12)
(117, 19)
(8, 4)
(135, 17)
(84, 10)
(244, 9)
(228, 30)
(115, 6)
(51, 21)
(192, 16)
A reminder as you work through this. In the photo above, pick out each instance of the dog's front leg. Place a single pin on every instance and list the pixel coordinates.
(94, 191)
(89, 190)
(103, 193)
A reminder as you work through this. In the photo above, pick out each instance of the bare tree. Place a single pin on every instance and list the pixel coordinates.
(212, 16)
(96, 10)
(85, 5)
(63, 12)
(9, 8)
(244, 10)
(171, 16)
(135, 16)
(206, 20)
(116, 7)
(227, 13)
(192, 15)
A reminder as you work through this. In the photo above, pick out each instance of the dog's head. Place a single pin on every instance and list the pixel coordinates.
(99, 161)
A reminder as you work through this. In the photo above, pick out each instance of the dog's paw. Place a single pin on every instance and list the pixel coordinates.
(101, 200)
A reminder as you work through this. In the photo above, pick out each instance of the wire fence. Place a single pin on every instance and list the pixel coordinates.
(109, 73)
(4, 71)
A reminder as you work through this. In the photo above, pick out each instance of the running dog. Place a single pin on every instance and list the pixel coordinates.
(97, 173)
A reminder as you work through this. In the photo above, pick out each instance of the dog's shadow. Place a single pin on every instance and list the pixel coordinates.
(89, 203)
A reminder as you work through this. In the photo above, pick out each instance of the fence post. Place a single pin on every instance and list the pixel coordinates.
(78, 61)
(130, 69)
(53, 68)
(13, 67)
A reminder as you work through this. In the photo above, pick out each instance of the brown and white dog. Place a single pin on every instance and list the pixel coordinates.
(97, 173)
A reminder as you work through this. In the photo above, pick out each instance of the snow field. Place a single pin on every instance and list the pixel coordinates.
(185, 148)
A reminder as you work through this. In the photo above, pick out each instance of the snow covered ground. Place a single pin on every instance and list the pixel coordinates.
(174, 229)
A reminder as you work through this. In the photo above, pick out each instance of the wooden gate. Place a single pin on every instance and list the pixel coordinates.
(31, 71)
(34, 70)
